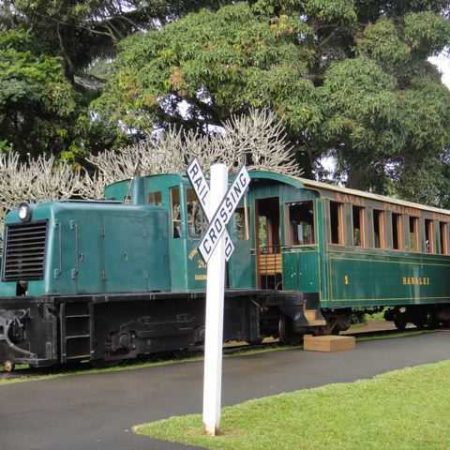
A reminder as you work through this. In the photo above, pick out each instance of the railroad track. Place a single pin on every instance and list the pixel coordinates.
(232, 348)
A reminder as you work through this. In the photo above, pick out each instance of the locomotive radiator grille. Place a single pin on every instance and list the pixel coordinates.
(24, 251)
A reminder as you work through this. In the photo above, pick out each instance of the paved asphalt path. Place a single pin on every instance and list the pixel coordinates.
(97, 411)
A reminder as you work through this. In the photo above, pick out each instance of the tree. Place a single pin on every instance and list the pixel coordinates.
(347, 77)
(221, 64)
(67, 44)
(257, 140)
(37, 104)
(81, 31)
(36, 179)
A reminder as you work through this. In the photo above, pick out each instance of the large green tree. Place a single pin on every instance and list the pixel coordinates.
(37, 104)
(81, 31)
(53, 57)
(348, 78)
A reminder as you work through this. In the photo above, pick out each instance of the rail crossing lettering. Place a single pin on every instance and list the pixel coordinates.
(201, 188)
(199, 183)
(223, 214)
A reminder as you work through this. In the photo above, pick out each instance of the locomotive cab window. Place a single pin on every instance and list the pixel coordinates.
(175, 212)
(414, 234)
(429, 236)
(397, 234)
(443, 228)
(241, 224)
(196, 218)
(301, 223)
(154, 198)
(358, 226)
(336, 222)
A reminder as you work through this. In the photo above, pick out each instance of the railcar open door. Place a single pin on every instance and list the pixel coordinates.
(269, 267)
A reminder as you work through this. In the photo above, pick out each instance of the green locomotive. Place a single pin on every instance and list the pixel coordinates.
(121, 278)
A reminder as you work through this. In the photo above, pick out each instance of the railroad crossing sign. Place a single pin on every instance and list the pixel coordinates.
(218, 208)
(223, 214)
(201, 188)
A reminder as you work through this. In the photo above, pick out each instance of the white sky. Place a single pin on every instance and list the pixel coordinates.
(443, 64)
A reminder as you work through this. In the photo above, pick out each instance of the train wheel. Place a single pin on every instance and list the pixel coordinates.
(285, 332)
(400, 322)
(431, 321)
(8, 366)
(419, 323)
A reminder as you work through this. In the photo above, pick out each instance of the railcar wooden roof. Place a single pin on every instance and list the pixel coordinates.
(369, 195)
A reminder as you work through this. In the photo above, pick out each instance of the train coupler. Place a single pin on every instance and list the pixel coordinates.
(12, 332)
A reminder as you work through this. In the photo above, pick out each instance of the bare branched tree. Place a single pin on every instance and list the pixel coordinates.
(43, 178)
(257, 140)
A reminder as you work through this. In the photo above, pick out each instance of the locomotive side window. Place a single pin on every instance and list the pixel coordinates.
(337, 222)
(240, 223)
(443, 228)
(358, 226)
(301, 223)
(196, 218)
(429, 236)
(414, 234)
(378, 228)
(175, 211)
(397, 234)
(154, 198)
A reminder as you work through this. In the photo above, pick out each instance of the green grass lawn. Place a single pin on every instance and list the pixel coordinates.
(404, 409)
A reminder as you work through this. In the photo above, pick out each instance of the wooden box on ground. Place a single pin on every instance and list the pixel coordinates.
(328, 343)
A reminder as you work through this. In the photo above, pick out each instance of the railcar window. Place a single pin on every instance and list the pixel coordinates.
(154, 198)
(241, 226)
(429, 236)
(397, 242)
(358, 226)
(196, 218)
(443, 228)
(301, 223)
(175, 209)
(414, 234)
(378, 228)
(336, 223)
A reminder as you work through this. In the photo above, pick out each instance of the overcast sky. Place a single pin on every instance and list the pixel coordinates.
(443, 63)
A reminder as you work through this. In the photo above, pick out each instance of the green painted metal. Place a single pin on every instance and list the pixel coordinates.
(276, 178)
(100, 248)
(364, 277)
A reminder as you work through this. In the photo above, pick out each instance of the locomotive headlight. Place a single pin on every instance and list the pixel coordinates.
(24, 212)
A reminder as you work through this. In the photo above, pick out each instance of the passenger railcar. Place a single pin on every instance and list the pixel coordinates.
(121, 278)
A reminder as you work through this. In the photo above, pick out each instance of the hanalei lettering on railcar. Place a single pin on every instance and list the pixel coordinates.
(416, 281)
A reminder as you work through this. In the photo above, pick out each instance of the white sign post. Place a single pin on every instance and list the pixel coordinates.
(215, 287)
(219, 205)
